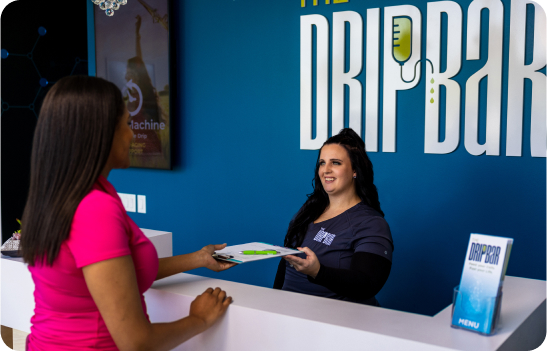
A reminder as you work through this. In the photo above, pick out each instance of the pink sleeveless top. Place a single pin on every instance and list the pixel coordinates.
(66, 317)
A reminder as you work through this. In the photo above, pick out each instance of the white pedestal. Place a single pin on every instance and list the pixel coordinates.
(163, 241)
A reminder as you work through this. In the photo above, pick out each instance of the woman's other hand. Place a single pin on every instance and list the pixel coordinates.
(210, 306)
(309, 265)
(206, 256)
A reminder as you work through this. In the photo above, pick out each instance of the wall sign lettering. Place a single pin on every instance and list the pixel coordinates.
(402, 69)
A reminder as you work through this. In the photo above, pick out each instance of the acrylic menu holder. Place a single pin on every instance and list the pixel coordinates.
(496, 325)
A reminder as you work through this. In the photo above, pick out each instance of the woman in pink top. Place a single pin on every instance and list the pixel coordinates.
(89, 261)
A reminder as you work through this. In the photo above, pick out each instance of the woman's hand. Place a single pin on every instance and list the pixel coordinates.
(309, 266)
(210, 306)
(205, 255)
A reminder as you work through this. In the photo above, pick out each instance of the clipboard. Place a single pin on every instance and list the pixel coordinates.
(234, 253)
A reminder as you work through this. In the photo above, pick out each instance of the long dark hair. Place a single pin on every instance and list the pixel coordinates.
(319, 200)
(71, 146)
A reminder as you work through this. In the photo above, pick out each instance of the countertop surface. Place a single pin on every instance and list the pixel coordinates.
(521, 297)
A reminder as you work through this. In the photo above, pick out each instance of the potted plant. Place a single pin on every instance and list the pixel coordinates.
(11, 246)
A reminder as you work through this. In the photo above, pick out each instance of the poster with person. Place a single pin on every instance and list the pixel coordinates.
(132, 51)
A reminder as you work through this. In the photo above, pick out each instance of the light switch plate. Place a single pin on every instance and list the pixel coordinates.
(129, 202)
(141, 203)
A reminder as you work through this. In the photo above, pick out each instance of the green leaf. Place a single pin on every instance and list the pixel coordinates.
(18, 221)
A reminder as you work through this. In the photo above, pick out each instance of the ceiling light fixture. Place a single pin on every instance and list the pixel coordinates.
(109, 5)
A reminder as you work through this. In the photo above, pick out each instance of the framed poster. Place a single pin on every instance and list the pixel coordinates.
(132, 50)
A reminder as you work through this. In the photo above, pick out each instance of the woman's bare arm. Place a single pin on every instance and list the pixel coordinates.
(113, 286)
(182, 263)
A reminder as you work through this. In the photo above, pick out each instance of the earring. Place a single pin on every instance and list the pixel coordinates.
(355, 176)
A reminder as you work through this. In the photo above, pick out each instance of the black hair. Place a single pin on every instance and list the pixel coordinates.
(71, 146)
(318, 201)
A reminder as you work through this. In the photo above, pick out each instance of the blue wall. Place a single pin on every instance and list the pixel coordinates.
(239, 174)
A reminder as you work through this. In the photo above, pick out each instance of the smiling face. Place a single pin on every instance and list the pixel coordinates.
(335, 171)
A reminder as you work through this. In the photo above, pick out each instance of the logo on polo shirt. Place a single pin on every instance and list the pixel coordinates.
(325, 237)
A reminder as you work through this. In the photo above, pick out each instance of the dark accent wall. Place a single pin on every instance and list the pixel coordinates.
(241, 175)
(40, 42)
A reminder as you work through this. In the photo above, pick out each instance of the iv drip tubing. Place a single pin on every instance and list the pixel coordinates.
(410, 81)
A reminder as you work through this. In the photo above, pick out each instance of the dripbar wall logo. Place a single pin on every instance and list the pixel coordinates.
(323, 70)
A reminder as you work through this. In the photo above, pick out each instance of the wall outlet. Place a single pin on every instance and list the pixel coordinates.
(129, 202)
(141, 203)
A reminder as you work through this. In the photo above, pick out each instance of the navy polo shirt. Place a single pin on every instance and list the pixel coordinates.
(334, 241)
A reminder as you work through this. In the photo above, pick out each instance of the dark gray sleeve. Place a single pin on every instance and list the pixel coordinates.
(367, 275)
(374, 236)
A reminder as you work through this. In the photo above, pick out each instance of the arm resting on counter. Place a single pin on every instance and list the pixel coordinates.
(113, 286)
(367, 275)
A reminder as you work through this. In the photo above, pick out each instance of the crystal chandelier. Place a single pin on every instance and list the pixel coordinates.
(109, 5)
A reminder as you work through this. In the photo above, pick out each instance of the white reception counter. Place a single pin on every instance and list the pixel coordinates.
(267, 319)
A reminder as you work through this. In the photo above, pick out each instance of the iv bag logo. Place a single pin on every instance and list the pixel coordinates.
(402, 45)
(130, 86)
(402, 39)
